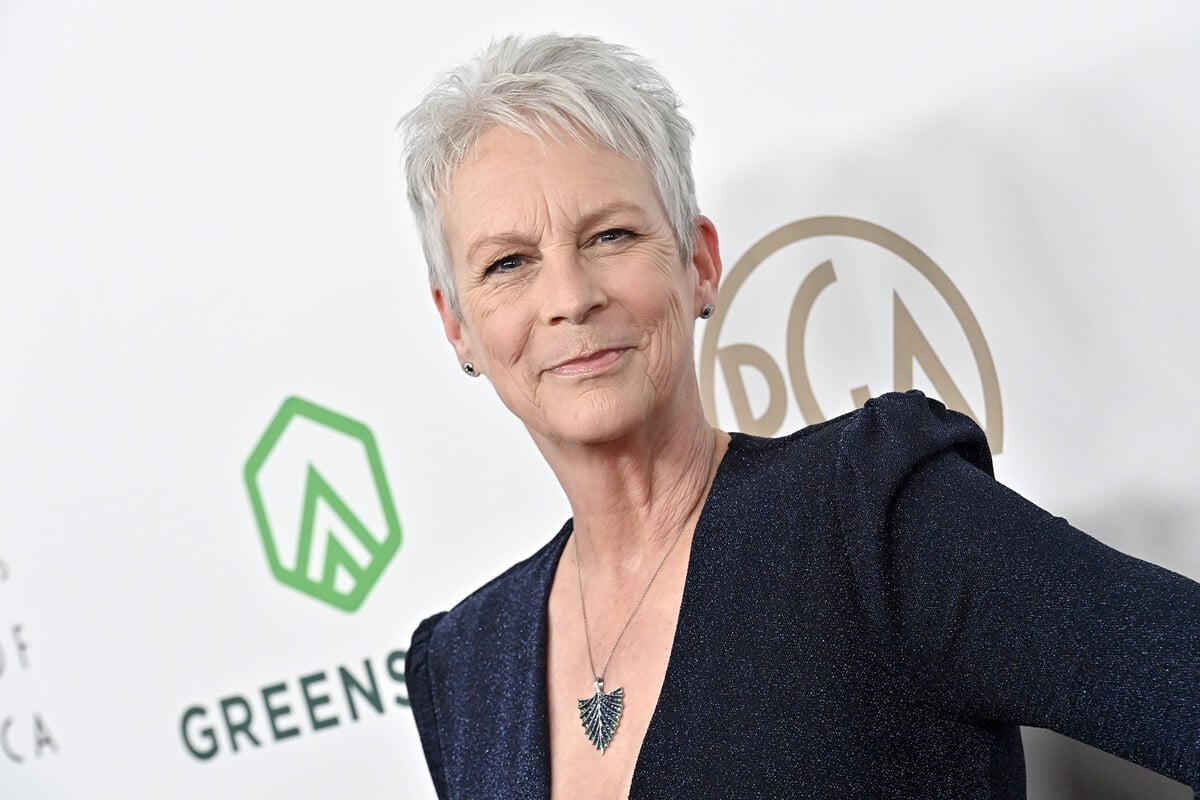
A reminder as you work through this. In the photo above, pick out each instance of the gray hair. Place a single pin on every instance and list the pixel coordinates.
(536, 84)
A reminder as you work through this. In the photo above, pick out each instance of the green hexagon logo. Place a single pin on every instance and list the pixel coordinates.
(322, 504)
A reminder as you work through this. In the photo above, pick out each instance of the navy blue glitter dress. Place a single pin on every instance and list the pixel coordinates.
(867, 614)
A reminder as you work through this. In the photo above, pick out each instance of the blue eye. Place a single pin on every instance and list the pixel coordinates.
(506, 264)
(616, 234)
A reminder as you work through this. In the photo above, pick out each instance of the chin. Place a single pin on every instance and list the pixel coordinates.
(598, 420)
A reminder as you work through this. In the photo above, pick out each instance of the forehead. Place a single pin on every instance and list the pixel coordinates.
(512, 179)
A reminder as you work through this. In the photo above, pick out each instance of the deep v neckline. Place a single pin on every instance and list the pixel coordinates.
(701, 539)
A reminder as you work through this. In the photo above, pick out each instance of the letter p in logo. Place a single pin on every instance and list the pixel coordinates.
(882, 267)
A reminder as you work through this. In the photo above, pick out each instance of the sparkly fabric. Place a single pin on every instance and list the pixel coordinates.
(867, 614)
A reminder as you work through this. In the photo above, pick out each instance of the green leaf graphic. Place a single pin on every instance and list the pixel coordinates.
(319, 493)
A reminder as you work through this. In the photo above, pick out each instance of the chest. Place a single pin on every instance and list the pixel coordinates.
(637, 666)
(756, 680)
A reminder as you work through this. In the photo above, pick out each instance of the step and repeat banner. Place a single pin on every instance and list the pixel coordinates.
(239, 463)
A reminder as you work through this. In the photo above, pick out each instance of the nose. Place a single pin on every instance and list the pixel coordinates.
(570, 291)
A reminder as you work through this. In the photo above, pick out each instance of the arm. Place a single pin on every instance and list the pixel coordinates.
(1002, 612)
(420, 695)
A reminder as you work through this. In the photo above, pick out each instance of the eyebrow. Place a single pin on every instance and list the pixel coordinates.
(516, 239)
(502, 240)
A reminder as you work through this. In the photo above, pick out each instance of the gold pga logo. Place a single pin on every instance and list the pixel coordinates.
(832, 335)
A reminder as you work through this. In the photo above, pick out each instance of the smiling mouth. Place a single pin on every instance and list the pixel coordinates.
(586, 365)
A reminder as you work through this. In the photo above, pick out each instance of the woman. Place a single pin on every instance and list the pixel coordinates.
(857, 610)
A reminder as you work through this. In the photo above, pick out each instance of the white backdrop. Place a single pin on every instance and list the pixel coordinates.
(201, 215)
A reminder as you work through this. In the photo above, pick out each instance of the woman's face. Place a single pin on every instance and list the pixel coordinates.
(573, 298)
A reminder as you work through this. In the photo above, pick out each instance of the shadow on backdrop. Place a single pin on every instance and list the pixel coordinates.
(1059, 768)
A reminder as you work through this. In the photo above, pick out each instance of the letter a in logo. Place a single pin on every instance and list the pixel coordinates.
(322, 504)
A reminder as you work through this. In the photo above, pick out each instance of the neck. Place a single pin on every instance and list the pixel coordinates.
(631, 496)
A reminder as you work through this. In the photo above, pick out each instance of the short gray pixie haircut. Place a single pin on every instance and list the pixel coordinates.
(536, 84)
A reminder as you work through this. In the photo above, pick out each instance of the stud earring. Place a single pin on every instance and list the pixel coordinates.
(707, 311)
(469, 368)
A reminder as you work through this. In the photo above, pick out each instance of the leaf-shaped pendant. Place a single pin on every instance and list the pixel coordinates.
(600, 715)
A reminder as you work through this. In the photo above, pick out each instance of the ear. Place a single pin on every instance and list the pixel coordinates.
(452, 325)
(706, 260)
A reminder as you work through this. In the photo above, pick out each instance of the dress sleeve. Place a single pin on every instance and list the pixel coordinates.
(998, 612)
(419, 682)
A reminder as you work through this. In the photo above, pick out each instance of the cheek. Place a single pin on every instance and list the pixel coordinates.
(658, 302)
(503, 335)
(663, 315)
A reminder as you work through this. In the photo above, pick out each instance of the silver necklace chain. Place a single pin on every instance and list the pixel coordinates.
(601, 713)
(587, 636)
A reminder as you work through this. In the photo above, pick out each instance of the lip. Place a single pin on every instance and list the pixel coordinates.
(588, 364)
